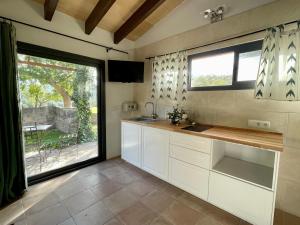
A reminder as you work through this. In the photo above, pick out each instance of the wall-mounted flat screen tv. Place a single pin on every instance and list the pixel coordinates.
(125, 71)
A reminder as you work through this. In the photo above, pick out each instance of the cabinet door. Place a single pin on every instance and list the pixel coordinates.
(249, 202)
(156, 152)
(131, 143)
(190, 178)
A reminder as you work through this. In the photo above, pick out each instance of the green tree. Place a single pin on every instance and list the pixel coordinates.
(80, 98)
(36, 94)
(55, 73)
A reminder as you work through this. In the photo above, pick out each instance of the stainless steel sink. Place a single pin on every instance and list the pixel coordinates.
(145, 119)
(197, 127)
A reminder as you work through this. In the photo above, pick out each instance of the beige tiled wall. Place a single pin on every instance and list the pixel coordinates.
(234, 108)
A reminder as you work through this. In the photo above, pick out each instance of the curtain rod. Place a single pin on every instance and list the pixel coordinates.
(65, 35)
(220, 41)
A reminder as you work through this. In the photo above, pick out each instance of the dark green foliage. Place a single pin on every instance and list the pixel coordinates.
(176, 115)
(49, 139)
(80, 98)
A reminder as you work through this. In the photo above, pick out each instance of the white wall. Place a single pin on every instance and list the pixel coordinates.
(189, 15)
(32, 13)
(234, 108)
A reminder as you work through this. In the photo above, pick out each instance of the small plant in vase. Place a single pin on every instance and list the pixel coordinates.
(176, 115)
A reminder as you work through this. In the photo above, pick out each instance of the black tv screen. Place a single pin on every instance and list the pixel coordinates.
(125, 71)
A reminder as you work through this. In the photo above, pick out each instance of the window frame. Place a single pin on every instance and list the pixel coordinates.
(44, 52)
(237, 49)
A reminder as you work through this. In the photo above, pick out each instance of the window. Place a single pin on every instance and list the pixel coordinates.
(63, 120)
(229, 68)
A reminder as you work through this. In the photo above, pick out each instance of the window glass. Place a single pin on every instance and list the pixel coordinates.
(215, 70)
(248, 65)
(59, 113)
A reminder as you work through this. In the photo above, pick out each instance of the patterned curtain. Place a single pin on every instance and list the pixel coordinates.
(169, 77)
(279, 72)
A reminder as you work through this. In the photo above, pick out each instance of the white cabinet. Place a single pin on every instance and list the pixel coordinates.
(237, 178)
(131, 143)
(190, 156)
(155, 152)
(249, 202)
(189, 178)
(193, 142)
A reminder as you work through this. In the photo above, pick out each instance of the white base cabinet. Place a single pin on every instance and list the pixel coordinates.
(236, 178)
(251, 203)
(155, 152)
(189, 178)
(132, 143)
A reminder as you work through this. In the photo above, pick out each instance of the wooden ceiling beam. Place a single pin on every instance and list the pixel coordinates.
(49, 9)
(97, 14)
(137, 18)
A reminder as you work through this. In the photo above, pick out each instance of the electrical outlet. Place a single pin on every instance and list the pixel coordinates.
(259, 124)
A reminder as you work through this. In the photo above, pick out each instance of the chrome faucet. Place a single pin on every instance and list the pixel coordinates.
(153, 115)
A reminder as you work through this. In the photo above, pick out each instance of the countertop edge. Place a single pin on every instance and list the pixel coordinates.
(266, 146)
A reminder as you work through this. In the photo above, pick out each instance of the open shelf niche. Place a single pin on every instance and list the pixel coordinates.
(246, 163)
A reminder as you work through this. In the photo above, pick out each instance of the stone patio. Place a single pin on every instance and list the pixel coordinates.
(59, 158)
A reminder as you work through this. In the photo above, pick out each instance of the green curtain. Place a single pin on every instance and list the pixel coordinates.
(12, 174)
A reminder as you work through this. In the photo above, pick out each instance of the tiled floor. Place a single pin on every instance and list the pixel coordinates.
(115, 193)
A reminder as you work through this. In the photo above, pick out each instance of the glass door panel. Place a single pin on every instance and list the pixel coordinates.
(59, 113)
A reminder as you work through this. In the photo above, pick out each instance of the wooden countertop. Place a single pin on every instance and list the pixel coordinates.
(255, 138)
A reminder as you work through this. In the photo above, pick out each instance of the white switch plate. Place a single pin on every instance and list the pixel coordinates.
(259, 124)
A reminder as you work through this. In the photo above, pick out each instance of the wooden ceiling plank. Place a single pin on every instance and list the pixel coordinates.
(49, 9)
(97, 14)
(137, 18)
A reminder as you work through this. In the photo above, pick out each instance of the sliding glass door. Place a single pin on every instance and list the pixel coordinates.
(62, 99)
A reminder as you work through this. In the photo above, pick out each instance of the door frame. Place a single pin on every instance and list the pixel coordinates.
(39, 51)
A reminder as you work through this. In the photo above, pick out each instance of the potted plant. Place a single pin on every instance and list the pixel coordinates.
(176, 115)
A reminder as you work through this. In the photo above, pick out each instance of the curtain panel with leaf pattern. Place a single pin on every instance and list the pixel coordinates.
(169, 77)
(279, 73)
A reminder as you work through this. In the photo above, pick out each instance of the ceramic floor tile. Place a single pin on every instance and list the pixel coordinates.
(222, 216)
(105, 189)
(119, 201)
(157, 200)
(128, 196)
(40, 202)
(194, 202)
(181, 214)
(114, 221)
(92, 180)
(68, 189)
(172, 190)
(69, 221)
(113, 171)
(12, 213)
(160, 221)
(21, 222)
(124, 178)
(141, 188)
(284, 218)
(52, 215)
(97, 214)
(137, 214)
(79, 201)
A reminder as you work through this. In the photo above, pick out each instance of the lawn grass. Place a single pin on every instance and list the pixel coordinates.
(47, 137)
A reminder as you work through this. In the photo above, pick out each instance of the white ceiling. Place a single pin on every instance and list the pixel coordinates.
(189, 15)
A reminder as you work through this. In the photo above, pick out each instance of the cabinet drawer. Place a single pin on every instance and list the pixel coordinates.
(190, 156)
(249, 202)
(189, 141)
(190, 178)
